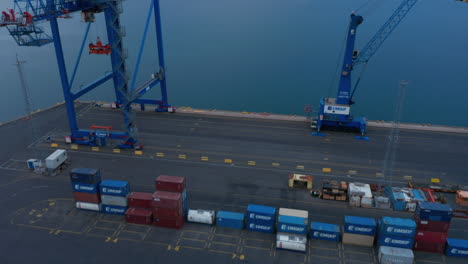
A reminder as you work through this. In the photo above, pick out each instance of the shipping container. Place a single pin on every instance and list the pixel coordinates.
(167, 212)
(261, 214)
(434, 212)
(140, 216)
(360, 225)
(230, 219)
(140, 200)
(325, 231)
(88, 206)
(429, 247)
(201, 216)
(457, 247)
(259, 227)
(93, 198)
(392, 226)
(395, 241)
(434, 226)
(57, 158)
(169, 222)
(393, 255)
(85, 187)
(112, 209)
(428, 236)
(293, 212)
(114, 200)
(358, 240)
(167, 199)
(292, 224)
(85, 175)
(116, 188)
(291, 242)
(170, 183)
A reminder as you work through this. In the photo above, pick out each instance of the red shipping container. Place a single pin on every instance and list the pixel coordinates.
(140, 200)
(429, 247)
(170, 183)
(140, 216)
(94, 198)
(432, 237)
(167, 212)
(169, 222)
(434, 226)
(166, 199)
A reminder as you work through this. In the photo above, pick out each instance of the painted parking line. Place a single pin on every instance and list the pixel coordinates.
(204, 158)
(228, 161)
(300, 167)
(182, 156)
(138, 152)
(74, 146)
(54, 145)
(435, 180)
(408, 177)
(379, 175)
(95, 148)
(251, 163)
(326, 170)
(160, 155)
(352, 172)
(116, 150)
(275, 164)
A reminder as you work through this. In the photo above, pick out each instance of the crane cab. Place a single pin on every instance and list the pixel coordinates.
(99, 48)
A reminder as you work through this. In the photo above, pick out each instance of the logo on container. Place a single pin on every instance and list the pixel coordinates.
(395, 241)
(292, 228)
(104, 189)
(359, 229)
(113, 191)
(458, 251)
(398, 230)
(254, 226)
(318, 234)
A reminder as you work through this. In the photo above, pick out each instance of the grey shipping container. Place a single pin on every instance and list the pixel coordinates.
(114, 200)
(359, 240)
(393, 255)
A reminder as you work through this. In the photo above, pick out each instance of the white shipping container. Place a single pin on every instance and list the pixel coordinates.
(201, 216)
(114, 200)
(393, 255)
(294, 212)
(367, 202)
(359, 189)
(88, 206)
(56, 159)
(291, 242)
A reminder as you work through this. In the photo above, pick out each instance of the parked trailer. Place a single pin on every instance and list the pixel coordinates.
(56, 159)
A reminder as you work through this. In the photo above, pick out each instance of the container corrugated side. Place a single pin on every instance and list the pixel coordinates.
(114, 200)
(433, 212)
(395, 241)
(231, 222)
(457, 247)
(360, 225)
(429, 246)
(392, 255)
(261, 214)
(294, 212)
(435, 226)
(85, 175)
(93, 198)
(230, 215)
(140, 200)
(358, 240)
(292, 224)
(167, 199)
(170, 183)
(112, 209)
(433, 237)
(291, 242)
(88, 206)
(140, 216)
(392, 226)
(117, 188)
(318, 226)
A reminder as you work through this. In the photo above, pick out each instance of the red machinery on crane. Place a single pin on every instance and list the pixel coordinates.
(10, 18)
(98, 48)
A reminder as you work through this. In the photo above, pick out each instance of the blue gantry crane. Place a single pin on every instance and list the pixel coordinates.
(23, 22)
(335, 113)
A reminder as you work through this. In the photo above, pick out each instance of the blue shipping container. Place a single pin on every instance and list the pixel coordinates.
(112, 209)
(230, 219)
(360, 225)
(117, 188)
(434, 212)
(261, 214)
(292, 224)
(395, 241)
(260, 227)
(325, 231)
(392, 226)
(457, 247)
(85, 187)
(85, 175)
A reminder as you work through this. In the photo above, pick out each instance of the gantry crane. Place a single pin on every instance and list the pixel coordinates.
(22, 23)
(334, 113)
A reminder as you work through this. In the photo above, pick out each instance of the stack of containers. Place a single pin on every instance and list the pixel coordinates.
(432, 224)
(325, 231)
(139, 211)
(230, 219)
(359, 231)
(114, 196)
(292, 229)
(396, 232)
(169, 201)
(457, 247)
(85, 183)
(261, 218)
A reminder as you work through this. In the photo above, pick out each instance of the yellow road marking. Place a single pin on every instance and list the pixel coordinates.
(229, 161)
(325, 158)
(177, 248)
(435, 180)
(204, 158)
(108, 239)
(115, 240)
(138, 152)
(95, 148)
(379, 175)
(408, 177)
(242, 257)
(57, 232)
(38, 215)
(74, 146)
(251, 163)
(116, 150)
(275, 164)
(51, 203)
(54, 145)
(234, 255)
(300, 167)
(352, 172)
(169, 247)
(182, 156)
(159, 154)
(326, 170)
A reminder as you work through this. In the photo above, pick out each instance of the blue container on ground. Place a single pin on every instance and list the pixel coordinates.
(392, 226)
(116, 188)
(360, 225)
(85, 187)
(292, 224)
(264, 215)
(434, 212)
(112, 209)
(395, 241)
(85, 175)
(259, 227)
(230, 219)
(457, 247)
(325, 231)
